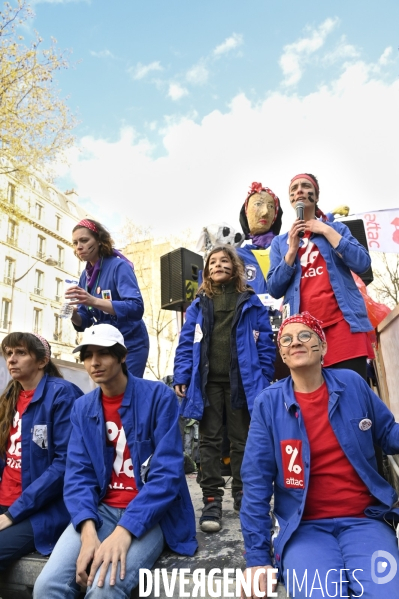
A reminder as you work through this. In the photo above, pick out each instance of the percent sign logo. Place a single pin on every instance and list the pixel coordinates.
(293, 452)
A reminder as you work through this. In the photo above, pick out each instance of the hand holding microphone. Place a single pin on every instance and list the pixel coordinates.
(300, 214)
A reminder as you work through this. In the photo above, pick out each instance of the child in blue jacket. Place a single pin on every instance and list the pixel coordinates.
(225, 357)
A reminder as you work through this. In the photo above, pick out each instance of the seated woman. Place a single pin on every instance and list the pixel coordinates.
(34, 432)
(311, 443)
(108, 292)
(311, 266)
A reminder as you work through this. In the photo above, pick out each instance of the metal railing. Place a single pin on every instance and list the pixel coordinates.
(38, 291)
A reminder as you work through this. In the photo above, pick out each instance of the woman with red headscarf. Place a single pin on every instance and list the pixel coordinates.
(311, 266)
(108, 292)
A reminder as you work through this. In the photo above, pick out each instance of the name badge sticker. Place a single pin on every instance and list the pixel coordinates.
(198, 334)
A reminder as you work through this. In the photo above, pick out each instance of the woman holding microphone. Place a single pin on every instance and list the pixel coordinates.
(311, 267)
(108, 292)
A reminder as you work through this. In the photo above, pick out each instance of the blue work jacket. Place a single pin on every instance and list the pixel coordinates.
(276, 420)
(283, 279)
(149, 414)
(256, 354)
(117, 277)
(42, 469)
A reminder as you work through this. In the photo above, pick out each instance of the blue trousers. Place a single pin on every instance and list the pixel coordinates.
(15, 541)
(58, 578)
(342, 557)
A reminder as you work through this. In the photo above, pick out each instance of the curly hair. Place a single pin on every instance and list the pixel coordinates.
(9, 397)
(102, 235)
(238, 271)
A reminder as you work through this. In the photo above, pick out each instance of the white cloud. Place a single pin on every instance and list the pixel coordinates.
(229, 44)
(198, 74)
(176, 91)
(295, 55)
(342, 51)
(141, 70)
(203, 169)
(386, 56)
(102, 54)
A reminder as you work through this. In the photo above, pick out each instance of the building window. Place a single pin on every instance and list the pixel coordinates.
(72, 209)
(39, 282)
(37, 320)
(58, 290)
(60, 256)
(53, 195)
(9, 271)
(41, 247)
(57, 328)
(5, 313)
(11, 193)
(12, 231)
(38, 211)
(57, 222)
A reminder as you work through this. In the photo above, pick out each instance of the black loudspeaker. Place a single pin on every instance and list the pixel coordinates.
(357, 229)
(179, 278)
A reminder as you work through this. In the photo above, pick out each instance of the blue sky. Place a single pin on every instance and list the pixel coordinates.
(183, 104)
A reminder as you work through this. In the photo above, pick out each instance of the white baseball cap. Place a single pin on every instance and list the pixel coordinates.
(104, 335)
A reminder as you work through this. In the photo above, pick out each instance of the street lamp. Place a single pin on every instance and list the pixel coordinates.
(50, 261)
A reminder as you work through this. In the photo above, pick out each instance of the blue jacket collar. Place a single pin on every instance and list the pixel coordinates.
(40, 389)
(94, 406)
(334, 384)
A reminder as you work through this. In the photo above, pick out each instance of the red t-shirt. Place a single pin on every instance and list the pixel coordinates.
(317, 295)
(11, 482)
(344, 345)
(122, 486)
(318, 298)
(335, 489)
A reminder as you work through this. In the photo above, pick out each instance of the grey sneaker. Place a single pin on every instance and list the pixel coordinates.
(211, 519)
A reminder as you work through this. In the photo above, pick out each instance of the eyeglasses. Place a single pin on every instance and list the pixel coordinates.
(303, 337)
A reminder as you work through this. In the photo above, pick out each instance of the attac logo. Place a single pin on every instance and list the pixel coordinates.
(291, 453)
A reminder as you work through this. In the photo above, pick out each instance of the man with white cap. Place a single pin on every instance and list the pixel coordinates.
(311, 444)
(125, 487)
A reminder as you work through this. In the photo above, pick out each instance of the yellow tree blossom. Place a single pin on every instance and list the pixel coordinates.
(35, 122)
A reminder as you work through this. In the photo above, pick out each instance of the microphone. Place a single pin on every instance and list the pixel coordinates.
(300, 214)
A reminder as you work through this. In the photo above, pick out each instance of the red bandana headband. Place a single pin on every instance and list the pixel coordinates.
(45, 344)
(257, 188)
(88, 225)
(306, 319)
(305, 176)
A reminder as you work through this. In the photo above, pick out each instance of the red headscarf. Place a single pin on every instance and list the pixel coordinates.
(309, 178)
(88, 224)
(307, 319)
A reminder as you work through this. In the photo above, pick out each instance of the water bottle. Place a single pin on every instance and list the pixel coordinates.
(66, 308)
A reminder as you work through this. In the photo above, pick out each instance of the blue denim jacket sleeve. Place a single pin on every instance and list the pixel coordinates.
(258, 472)
(183, 367)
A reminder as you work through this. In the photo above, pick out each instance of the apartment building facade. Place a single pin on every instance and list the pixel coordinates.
(36, 258)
